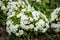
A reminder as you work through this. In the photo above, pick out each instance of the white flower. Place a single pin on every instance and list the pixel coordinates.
(26, 27)
(21, 32)
(40, 26)
(57, 9)
(3, 8)
(23, 4)
(24, 20)
(8, 30)
(15, 8)
(40, 23)
(12, 3)
(22, 24)
(56, 26)
(31, 26)
(57, 30)
(29, 8)
(20, 15)
(44, 30)
(17, 34)
(54, 14)
(47, 25)
(13, 28)
(10, 27)
(11, 15)
(9, 22)
(53, 17)
(35, 14)
(53, 25)
(31, 19)
(24, 17)
(27, 1)
(36, 29)
(10, 10)
(23, 10)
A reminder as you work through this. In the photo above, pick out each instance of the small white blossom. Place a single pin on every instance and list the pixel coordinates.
(31, 26)
(9, 22)
(3, 8)
(23, 10)
(54, 14)
(11, 15)
(13, 28)
(21, 32)
(53, 25)
(8, 30)
(35, 14)
(31, 19)
(17, 34)
(56, 26)
(20, 15)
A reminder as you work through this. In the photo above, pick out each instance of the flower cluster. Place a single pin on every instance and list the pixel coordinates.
(55, 15)
(22, 17)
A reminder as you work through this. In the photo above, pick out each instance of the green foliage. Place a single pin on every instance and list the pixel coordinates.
(2, 18)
